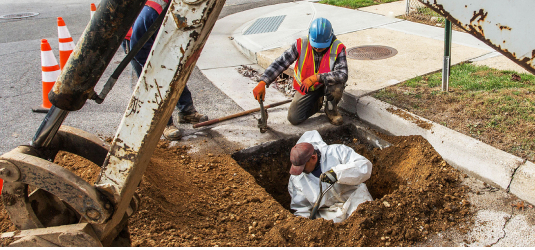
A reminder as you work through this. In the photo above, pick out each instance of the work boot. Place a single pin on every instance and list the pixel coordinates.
(331, 111)
(172, 133)
(194, 117)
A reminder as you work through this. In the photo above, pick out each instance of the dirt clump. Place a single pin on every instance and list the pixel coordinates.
(210, 200)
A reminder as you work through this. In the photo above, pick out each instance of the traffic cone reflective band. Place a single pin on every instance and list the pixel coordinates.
(93, 9)
(66, 44)
(50, 72)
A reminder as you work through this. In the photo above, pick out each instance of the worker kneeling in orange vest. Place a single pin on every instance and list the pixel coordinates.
(320, 70)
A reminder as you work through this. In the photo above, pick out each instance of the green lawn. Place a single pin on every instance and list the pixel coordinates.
(469, 77)
(495, 106)
(354, 4)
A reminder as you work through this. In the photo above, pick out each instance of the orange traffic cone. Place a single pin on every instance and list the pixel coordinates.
(50, 73)
(66, 44)
(93, 9)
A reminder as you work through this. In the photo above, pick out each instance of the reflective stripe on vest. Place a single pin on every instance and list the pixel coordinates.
(157, 5)
(302, 56)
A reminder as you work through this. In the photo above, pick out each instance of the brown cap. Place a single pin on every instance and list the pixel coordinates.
(300, 155)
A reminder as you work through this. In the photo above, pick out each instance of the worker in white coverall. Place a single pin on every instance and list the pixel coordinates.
(314, 161)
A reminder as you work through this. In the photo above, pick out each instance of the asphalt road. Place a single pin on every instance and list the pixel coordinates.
(20, 80)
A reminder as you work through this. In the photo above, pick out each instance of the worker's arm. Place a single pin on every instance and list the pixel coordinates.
(353, 168)
(339, 73)
(299, 203)
(280, 64)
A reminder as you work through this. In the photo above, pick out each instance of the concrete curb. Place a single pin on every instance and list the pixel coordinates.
(465, 153)
(523, 184)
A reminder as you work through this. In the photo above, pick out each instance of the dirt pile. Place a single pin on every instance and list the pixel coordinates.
(210, 200)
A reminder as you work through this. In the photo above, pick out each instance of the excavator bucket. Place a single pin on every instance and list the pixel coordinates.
(503, 25)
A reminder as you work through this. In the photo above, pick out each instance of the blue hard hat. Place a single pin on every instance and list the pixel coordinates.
(320, 33)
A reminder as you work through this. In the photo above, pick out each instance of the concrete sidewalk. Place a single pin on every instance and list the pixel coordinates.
(420, 51)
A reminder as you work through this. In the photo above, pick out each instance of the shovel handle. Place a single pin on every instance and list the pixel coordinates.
(210, 122)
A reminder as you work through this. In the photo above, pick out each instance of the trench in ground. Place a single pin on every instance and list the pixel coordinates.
(269, 163)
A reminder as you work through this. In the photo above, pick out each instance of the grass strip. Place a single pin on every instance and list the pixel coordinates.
(494, 106)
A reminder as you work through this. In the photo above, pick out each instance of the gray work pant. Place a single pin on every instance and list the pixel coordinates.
(304, 106)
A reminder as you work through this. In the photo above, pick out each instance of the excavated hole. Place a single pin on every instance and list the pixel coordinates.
(269, 163)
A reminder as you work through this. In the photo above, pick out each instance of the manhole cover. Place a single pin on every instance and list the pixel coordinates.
(19, 15)
(371, 52)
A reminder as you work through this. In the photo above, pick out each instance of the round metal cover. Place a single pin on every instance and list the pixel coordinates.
(19, 15)
(371, 52)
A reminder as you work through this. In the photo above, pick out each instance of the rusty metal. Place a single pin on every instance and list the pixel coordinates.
(178, 45)
(176, 49)
(50, 210)
(371, 52)
(18, 206)
(93, 52)
(262, 122)
(40, 173)
(499, 24)
(8, 171)
(76, 235)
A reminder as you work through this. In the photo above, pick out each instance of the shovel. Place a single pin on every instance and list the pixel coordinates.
(262, 122)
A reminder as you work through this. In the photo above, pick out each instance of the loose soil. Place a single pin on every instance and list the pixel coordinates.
(407, 116)
(210, 200)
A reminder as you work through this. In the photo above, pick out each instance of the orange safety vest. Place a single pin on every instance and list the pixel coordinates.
(157, 5)
(305, 66)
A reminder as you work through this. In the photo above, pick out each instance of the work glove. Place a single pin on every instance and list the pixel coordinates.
(328, 177)
(259, 91)
(309, 82)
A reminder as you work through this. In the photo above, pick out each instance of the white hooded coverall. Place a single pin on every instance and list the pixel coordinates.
(344, 197)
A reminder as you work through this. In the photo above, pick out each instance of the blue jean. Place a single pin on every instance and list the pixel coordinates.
(143, 22)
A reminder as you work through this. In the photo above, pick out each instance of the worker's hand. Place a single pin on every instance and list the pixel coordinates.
(259, 91)
(309, 82)
(328, 177)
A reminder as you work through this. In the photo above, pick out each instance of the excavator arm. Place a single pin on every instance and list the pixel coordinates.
(63, 209)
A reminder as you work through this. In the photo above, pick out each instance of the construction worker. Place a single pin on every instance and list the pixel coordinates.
(186, 110)
(315, 163)
(320, 70)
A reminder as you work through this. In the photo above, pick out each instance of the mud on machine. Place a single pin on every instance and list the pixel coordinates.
(62, 209)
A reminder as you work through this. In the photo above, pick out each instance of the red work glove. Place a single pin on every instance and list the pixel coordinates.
(309, 82)
(259, 91)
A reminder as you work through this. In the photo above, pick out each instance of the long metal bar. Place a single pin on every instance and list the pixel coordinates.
(49, 127)
(176, 49)
(214, 121)
(318, 201)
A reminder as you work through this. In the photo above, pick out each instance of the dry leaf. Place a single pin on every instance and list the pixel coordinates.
(519, 205)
